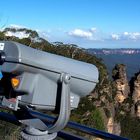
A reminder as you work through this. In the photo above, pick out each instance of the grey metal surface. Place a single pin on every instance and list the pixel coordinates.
(40, 73)
(64, 112)
(35, 134)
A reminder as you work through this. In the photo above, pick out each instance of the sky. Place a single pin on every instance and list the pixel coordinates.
(87, 23)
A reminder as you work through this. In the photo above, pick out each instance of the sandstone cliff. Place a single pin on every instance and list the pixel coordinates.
(121, 83)
(118, 99)
(136, 95)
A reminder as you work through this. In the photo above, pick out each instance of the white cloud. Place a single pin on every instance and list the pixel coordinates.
(44, 34)
(91, 34)
(81, 33)
(115, 37)
(93, 29)
(131, 35)
(17, 34)
(126, 36)
(126, 33)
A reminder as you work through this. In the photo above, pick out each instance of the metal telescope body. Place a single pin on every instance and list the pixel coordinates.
(39, 80)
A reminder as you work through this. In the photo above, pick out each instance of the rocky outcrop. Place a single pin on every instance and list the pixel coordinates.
(136, 95)
(120, 101)
(121, 83)
(110, 125)
(138, 110)
(113, 127)
(117, 99)
(136, 92)
(120, 93)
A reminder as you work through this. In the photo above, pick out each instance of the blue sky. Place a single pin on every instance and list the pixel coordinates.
(87, 23)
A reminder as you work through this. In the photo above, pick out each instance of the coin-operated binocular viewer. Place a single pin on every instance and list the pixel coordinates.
(37, 80)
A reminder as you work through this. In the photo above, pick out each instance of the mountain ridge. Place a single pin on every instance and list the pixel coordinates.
(128, 57)
(107, 51)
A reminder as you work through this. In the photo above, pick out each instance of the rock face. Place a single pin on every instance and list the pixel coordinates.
(121, 93)
(110, 125)
(118, 99)
(121, 83)
(138, 111)
(136, 95)
(113, 127)
(136, 92)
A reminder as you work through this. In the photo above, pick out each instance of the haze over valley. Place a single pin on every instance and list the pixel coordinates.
(128, 56)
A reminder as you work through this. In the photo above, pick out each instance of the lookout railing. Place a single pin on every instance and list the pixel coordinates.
(64, 134)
